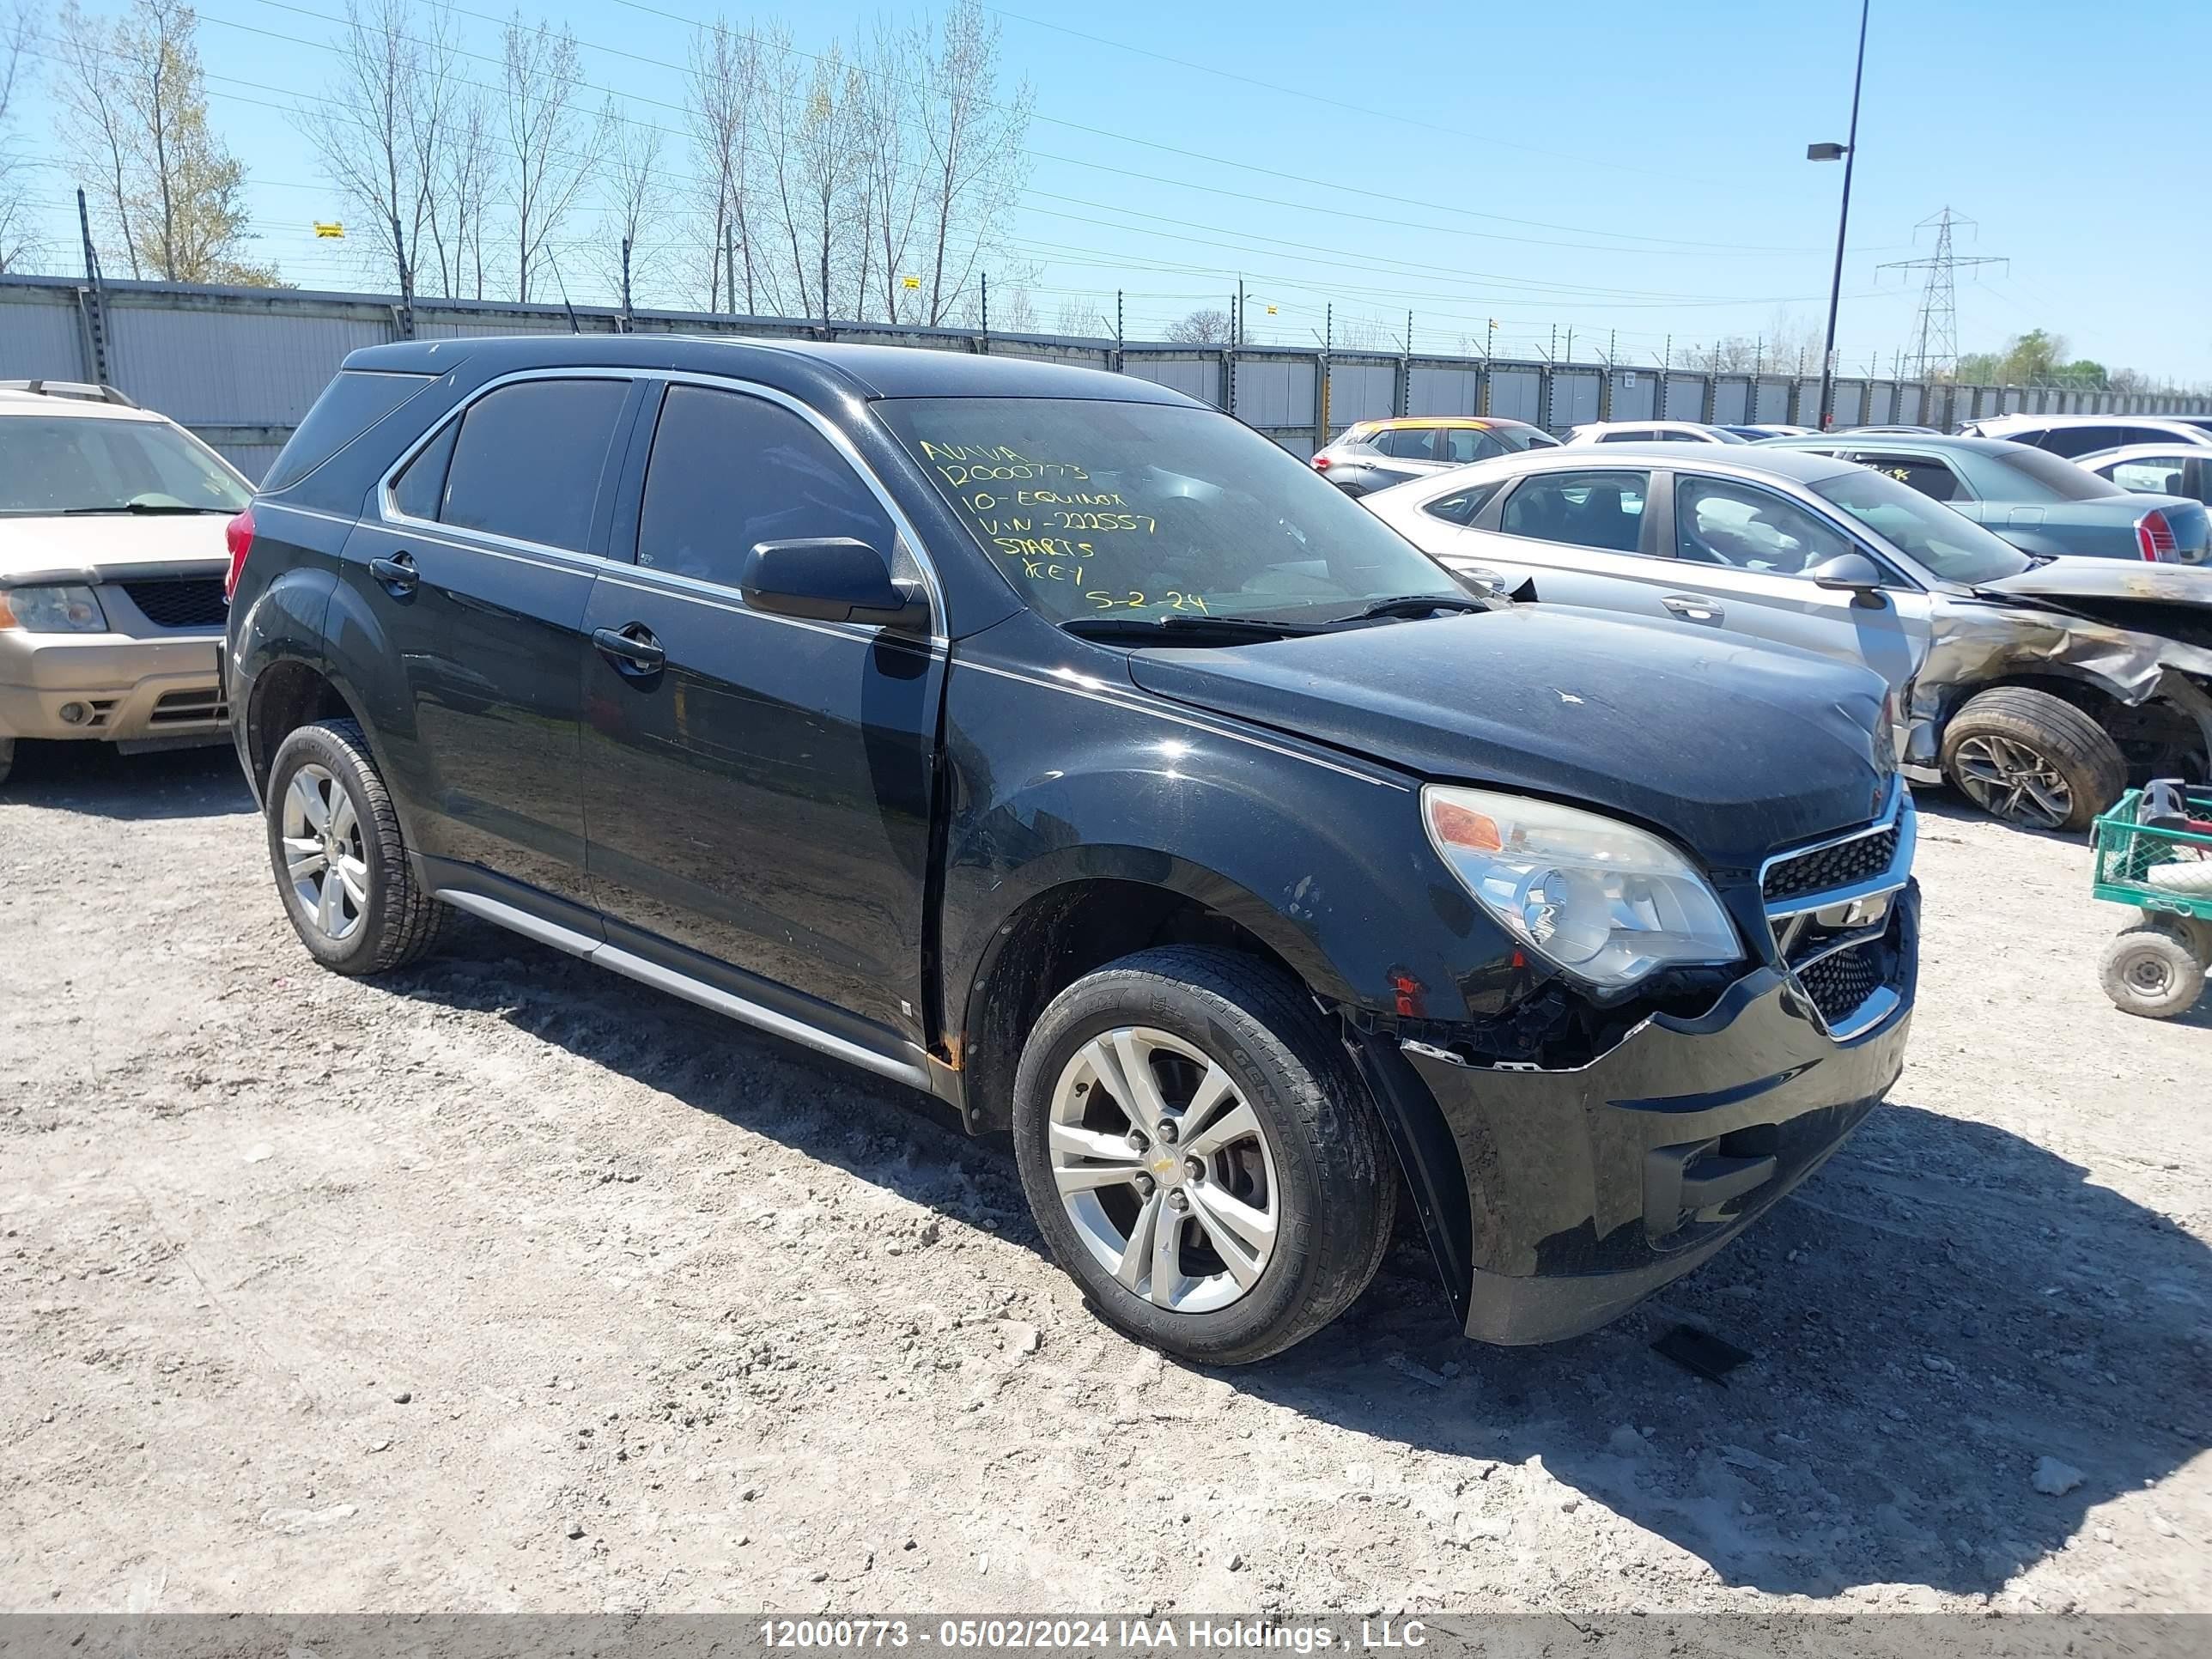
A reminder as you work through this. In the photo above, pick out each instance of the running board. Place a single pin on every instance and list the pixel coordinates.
(650, 973)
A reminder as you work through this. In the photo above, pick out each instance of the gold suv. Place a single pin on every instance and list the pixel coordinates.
(112, 564)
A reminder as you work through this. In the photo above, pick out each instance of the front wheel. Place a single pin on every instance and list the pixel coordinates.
(2034, 759)
(1199, 1155)
(7, 758)
(2150, 970)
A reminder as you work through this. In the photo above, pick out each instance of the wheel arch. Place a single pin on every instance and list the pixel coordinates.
(288, 693)
(1073, 926)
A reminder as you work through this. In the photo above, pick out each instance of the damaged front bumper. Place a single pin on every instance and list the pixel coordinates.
(1590, 1188)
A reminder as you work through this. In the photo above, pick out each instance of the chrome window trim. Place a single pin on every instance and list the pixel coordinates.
(388, 515)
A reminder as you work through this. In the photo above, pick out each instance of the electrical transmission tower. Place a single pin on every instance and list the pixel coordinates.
(1936, 329)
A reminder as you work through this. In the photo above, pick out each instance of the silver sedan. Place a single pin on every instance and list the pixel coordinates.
(2038, 686)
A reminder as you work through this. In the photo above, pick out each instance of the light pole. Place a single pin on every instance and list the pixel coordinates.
(1848, 152)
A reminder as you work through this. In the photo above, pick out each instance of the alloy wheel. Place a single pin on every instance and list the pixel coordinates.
(1164, 1168)
(2008, 778)
(325, 858)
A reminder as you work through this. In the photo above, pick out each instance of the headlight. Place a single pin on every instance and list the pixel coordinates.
(70, 609)
(1601, 899)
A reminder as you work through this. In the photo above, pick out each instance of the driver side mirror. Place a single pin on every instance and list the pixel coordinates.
(830, 579)
(1851, 573)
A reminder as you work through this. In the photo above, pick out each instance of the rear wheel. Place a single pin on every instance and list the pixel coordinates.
(1198, 1155)
(340, 863)
(2030, 758)
(2153, 969)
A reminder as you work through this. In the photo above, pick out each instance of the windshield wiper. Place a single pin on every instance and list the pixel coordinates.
(1184, 625)
(1415, 605)
(145, 508)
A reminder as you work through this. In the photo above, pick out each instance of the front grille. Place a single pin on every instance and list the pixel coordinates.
(1826, 868)
(1840, 984)
(181, 601)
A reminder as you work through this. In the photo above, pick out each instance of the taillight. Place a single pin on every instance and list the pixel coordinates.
(238, 534)
(1320, 463)
(2154, 536)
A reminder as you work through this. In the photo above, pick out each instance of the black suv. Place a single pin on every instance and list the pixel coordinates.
(1057, 746)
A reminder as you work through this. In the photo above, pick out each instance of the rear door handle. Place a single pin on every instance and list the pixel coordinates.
(631, 648)
(1691, 607)
(397, 573)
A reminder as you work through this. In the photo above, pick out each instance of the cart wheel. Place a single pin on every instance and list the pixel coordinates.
(2151, 970)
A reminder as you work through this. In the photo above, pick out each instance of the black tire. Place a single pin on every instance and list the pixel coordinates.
(399, 923)
(7, 758)
(2054, 731)
(2151, 970)
(1335, 1191)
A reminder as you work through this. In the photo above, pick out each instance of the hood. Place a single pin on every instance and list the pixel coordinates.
(1733, 748)
(2110, 579)
(99, 547)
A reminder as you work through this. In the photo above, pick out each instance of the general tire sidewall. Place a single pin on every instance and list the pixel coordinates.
(1287, 1281)
(313, 745)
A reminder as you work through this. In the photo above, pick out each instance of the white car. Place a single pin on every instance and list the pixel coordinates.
(2074, 435)
(2172, 468)
(2039, 686)
(112, 558)
(1641, 432)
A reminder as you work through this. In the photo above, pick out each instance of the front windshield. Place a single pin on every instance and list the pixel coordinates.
(2055, 477)
(1148, 511)
(1946, 543)
(53, 463)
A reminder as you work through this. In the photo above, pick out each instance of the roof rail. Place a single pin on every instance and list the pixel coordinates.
(81, 390)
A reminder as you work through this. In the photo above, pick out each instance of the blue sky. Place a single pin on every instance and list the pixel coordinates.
(1631, 169)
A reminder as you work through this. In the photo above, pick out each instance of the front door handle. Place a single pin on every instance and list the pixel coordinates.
(632, 649)
(397, 573)
(1693, 607)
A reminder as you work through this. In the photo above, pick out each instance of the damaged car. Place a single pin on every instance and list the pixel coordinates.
(1057, 746)
(2038, 686)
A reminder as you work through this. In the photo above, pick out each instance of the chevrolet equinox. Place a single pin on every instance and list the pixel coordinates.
(1052, 743)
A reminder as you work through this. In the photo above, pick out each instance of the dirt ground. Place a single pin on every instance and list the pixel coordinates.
(507, 1284)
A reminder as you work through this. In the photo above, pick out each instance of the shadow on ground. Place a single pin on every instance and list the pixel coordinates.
(1940, 1308)
(93, 777)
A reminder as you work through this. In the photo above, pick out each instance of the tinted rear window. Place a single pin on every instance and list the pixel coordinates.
(527, 462)
(354, 402)
(2061, 479)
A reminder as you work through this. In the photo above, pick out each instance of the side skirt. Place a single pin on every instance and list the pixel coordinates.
(754, 1010)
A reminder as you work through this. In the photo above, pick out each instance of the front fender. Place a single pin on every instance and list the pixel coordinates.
(1323, 859)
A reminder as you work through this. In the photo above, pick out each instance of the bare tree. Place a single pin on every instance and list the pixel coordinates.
(96, 123)
(886, 113)
(1080, 317)
(1203, 327)
(633, 210)
(465, 183)
(826, 209)
(970, 151)
(721, 90)
(552, 146)
(18, 240)
(365, 132)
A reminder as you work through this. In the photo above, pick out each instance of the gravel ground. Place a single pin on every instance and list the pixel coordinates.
(506, 1283)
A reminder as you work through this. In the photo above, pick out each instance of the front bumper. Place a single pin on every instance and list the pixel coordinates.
(1590, 1188)
(118, 688)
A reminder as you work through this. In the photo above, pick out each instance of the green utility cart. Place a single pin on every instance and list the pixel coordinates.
(2154, 851)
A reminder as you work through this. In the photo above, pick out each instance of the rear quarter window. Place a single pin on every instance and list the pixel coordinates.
(354, 401)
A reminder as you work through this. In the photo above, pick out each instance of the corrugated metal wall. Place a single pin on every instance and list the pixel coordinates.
(242, 366)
